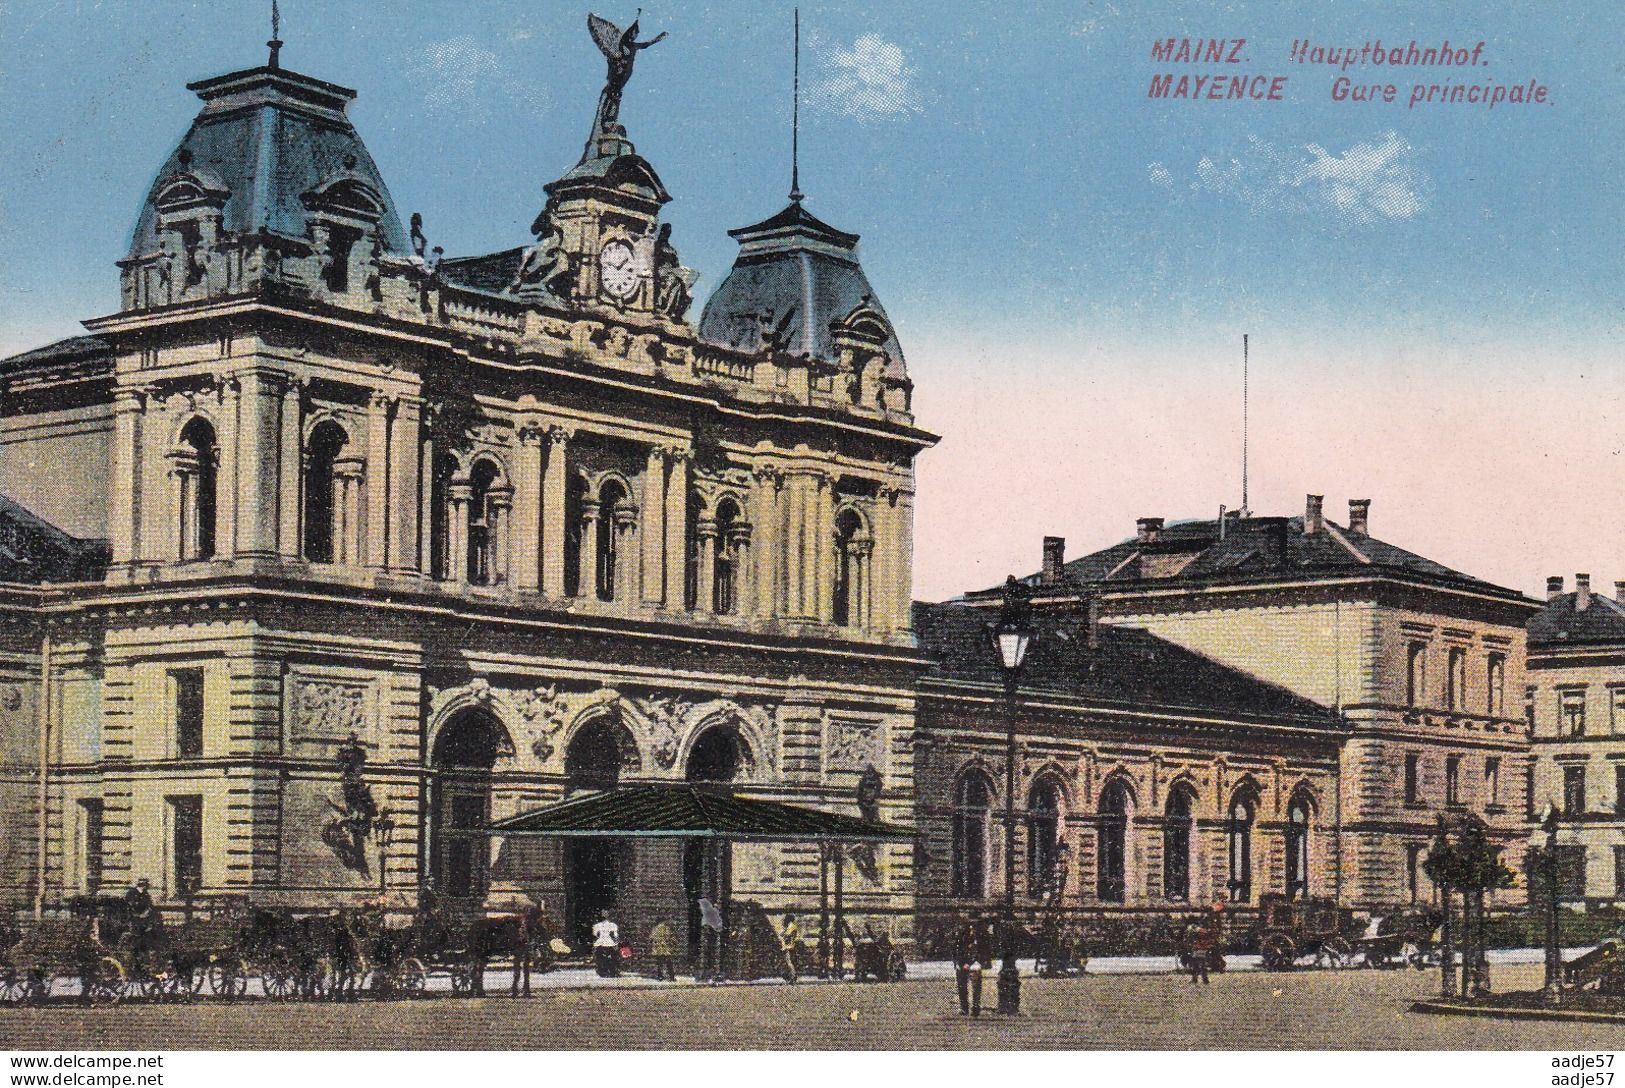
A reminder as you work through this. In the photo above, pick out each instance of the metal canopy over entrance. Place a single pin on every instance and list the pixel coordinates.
(693, 812)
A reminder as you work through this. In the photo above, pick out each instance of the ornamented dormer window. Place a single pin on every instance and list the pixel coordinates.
(190, 206)
(343, 224)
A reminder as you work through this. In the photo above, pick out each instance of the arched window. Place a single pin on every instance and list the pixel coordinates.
(463, 756)
(614, 522)
(197, 465)
(725, 572)
(1239, 833)
(973, 808)
(593, 760)
(1044, 807)
(323, 508)
(576, 527)
(1176, 845)
(717, 756)
(483, 524)
(850, 552)
(1297, 847)
(1112, 853)
(1416, 673)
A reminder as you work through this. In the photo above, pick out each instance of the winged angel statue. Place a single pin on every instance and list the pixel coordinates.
(620, 49)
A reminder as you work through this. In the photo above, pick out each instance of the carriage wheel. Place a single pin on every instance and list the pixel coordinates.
(12, 985)
(228, 979)
(184, 983)
(280, 977)
(412, 977)
(105, 982)
(896, 968)
(1278, 952)
(1336, 952)
(462, 978)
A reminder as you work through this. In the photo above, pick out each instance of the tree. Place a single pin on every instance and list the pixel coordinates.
(1464, 860)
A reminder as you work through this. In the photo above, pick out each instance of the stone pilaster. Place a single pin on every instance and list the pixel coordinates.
(676, 525)
(225, 507)
(404, 462)
(290, 474)
(653, 530)
(553, 511)
(525, 530)
(377, 517)
(124, 477)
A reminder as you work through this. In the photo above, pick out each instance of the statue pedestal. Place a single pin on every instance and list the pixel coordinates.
(610, 143)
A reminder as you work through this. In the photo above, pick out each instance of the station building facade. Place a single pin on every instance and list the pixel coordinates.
(323, 551)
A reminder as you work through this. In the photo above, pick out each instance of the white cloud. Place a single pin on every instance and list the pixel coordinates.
(869, 80)
(1160, 176)
(1368, 182)
(461, 78)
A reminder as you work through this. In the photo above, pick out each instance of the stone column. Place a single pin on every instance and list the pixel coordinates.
(902, 562)
(225, 482)
(705, 582)
(588, 581)
(124, 477)
(404, 460)
(377, 481)
(259, 450)
(553, 511)
(458, 495)
(497, 504)
(425, 496)
(822, 604)
(882, 608)
(652, 530)
(862, 612)
(525, 531)
(739, 542)
(764, 539)
(183, 470)
(624, 525)
(290, 471)
(349, 475)
(793, 558)
(676, 547)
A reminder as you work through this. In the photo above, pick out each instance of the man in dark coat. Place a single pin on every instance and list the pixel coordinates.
(973, 949)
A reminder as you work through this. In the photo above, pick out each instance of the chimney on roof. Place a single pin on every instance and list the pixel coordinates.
(1313, 521)
(1148, 530)
(1360, 517)
(1054, 559)
(1554, 587)
(1094, 623)
(1619, 592)
(1582, 592)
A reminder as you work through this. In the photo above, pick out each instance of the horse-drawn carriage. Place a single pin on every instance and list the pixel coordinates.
(1408, 936)
(1314, 930)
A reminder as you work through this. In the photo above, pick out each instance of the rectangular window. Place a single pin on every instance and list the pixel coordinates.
(1619, 788)
(1619, 872)
(1413, 868)
(186, 844)
(1616, 710)
(188, 685)
(1571, 713)
(1412, 778)
(1455, 681)
(1529, 812)
(1492, 780)
(1416, 666)
(1452, 780)
(90, 845)
(1529, 709)
(1574, 790)
(1571, 873)
(1495, 685)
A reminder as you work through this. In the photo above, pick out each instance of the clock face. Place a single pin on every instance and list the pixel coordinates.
(618, 270)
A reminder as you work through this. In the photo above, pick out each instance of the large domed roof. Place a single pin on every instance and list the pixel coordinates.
(797, 276)
(269, 142)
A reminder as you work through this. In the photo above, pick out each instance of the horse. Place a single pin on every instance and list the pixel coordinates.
(523, 934)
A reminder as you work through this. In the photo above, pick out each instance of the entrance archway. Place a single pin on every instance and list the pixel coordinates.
(595, 870)
(714, 758)
(460, 807)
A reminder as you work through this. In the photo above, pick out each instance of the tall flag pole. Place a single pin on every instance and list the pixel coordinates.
(795, 120)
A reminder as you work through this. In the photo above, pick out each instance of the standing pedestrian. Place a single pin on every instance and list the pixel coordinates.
(711, 925)
(663, 948)
(970, 950)
(790, 943)
(606, 946)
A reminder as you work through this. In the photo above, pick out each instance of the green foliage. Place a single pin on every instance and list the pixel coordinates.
(1463, 857)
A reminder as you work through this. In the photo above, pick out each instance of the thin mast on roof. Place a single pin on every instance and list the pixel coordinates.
(1244, 511)
(276, 36)
(795, 119)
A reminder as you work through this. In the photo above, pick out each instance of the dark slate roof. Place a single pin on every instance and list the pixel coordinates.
(72, 350)
(490, 272)
(33, 550)
(1253, 549)
(1128, 667)
(692, 812)
(1560, 623)
(801, 274)
(268, 136)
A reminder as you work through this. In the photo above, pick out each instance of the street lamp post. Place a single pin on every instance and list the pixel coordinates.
(1553, 989)
(383, 833)
(1011, 636)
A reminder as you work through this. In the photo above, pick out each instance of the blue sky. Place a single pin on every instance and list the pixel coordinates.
(1032, 221)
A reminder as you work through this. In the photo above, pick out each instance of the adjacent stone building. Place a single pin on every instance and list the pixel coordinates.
(336, 550)
(1575, 701)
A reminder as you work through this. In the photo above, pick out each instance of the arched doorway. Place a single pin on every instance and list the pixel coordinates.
(715, 757)
(460, 807)
(595, 869)
(1044, 807)
(1298, 819)
(973, 808)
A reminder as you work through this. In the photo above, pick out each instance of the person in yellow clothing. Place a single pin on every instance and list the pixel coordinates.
(790, 943)
(663, 948)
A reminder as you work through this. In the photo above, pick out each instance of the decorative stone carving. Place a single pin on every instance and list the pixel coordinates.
(328, 709)
(853, 745)
(11, 698)
(665, 717)
(543, 709)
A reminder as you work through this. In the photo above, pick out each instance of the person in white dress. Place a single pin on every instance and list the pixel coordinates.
(606, 946)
